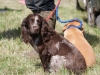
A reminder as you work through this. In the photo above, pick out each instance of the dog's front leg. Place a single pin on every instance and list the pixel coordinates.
(45, 60)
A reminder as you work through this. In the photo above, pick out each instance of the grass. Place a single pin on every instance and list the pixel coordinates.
(12, 49)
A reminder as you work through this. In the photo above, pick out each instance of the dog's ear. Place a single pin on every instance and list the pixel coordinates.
(64, 28)
(46, 31)
(25, 32)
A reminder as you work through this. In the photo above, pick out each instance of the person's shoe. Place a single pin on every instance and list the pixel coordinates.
(32, 54)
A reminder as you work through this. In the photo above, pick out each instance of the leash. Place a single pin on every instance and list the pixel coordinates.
(53, 10)
(75, 19)
(66, 21)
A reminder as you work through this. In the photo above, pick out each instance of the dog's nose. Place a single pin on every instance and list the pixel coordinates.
(35, 27)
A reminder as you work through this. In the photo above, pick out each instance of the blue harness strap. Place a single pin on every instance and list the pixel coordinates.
(66, 21)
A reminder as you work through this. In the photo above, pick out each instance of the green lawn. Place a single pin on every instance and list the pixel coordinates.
(12, 49)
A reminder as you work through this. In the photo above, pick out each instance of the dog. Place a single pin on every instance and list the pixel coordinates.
(54, 50)
(76, 37)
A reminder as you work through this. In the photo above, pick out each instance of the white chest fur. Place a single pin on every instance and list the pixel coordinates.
(57, 62)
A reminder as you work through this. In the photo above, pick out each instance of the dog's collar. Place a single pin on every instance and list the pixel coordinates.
(72, 26)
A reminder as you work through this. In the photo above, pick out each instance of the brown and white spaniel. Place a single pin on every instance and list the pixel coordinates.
(54, 50)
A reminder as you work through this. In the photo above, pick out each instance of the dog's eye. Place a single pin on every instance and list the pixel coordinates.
(31, 20)
(38, 21)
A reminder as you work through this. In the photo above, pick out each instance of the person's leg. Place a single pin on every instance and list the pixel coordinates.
(51, 22)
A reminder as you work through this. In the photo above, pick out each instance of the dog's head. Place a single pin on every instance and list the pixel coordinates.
(74, 23)
(34, 24)
(30, 26)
